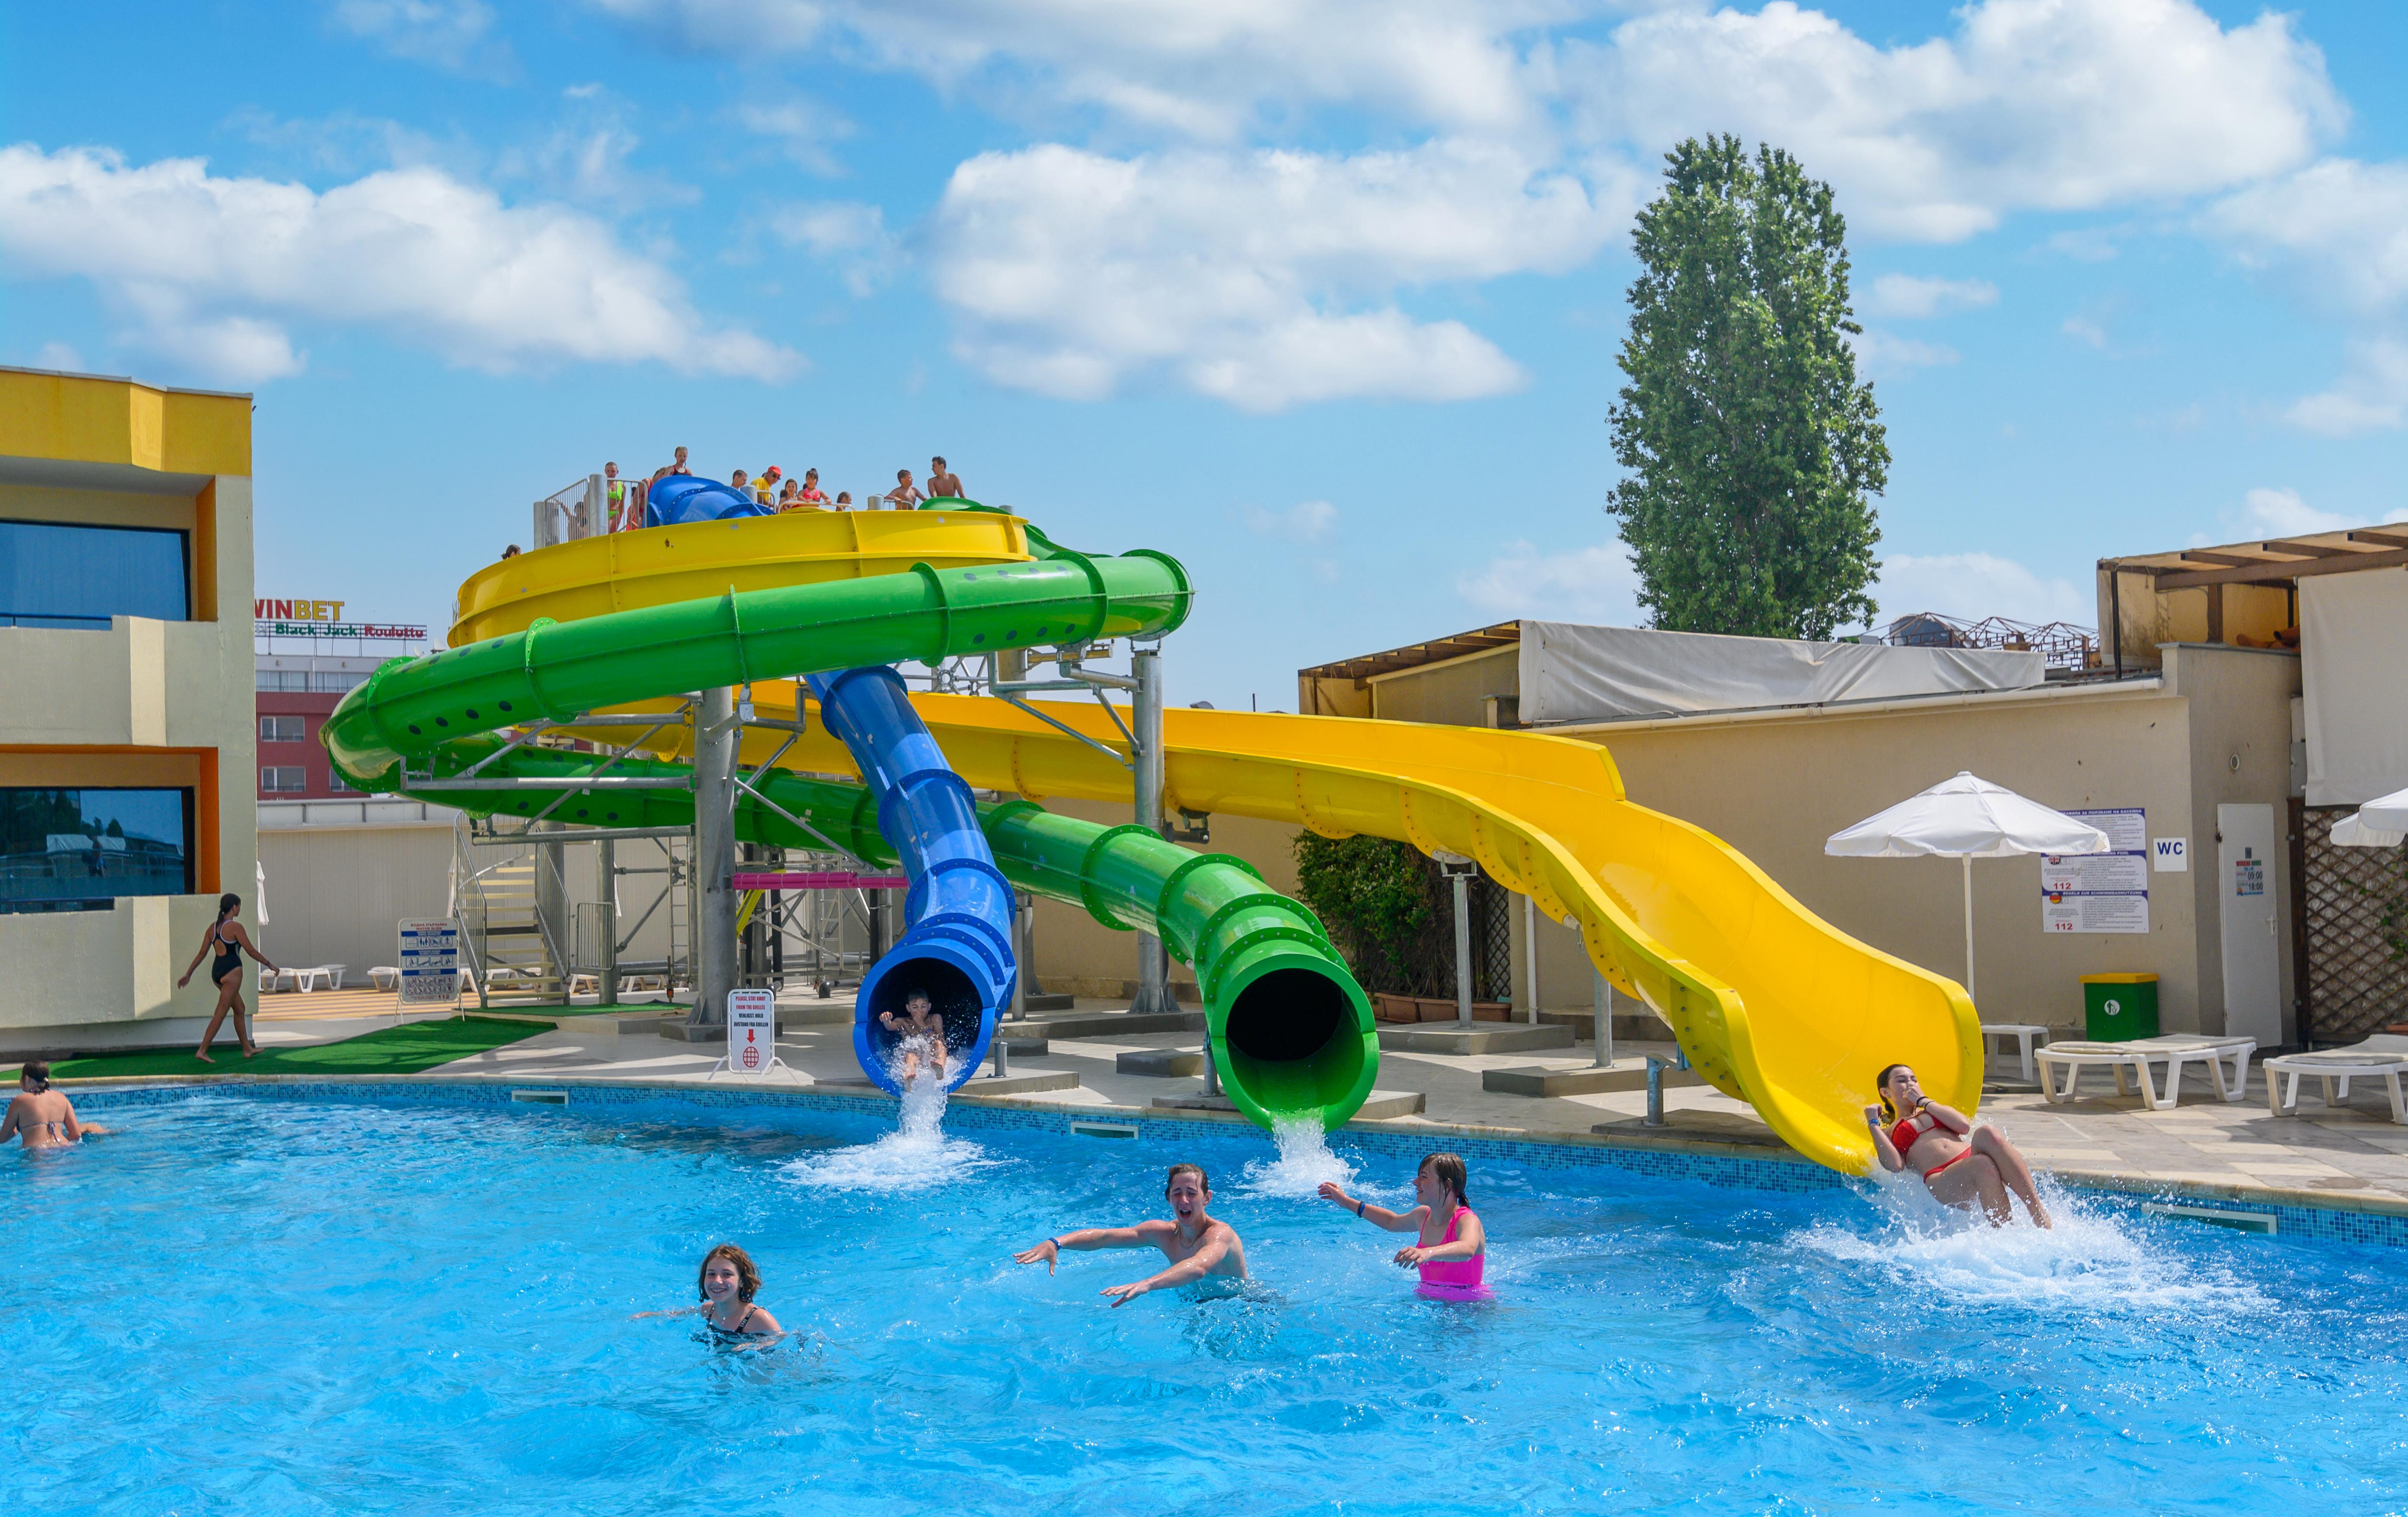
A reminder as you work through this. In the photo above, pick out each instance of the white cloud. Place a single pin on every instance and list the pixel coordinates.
(1912, 297)
(804, 129)
(209, 269)
(1882, 353)
(2083, 330)
(1233, 275)
(851, 235)
(1595, 584)
(1305, 523)
(1205, 71)
(1978, 585)
(2282, 513)
(59, 356)
(2058, 104)
(585, 158)
(449, 33)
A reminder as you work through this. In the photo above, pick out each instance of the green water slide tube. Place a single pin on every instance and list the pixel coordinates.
(1262, 962)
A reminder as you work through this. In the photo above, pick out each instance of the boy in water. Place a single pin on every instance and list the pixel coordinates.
(41, 1116)
(1197, 1244)
(922, 1034)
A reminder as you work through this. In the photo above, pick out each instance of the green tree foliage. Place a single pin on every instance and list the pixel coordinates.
(1751, 450)
(1385, 907)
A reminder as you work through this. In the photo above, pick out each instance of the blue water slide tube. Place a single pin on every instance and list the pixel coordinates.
(956, 942)
(682, 499)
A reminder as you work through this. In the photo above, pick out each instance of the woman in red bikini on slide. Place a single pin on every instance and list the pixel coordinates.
(1961, 1164)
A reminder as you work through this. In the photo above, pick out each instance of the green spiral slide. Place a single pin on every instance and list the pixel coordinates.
(1292, 1033)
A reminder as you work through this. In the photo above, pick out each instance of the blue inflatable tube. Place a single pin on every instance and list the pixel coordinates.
(956, 942)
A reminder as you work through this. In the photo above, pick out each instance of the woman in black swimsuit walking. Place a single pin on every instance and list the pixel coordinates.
(225, 935)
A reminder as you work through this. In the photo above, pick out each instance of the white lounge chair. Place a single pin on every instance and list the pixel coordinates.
(2026, 1035)
(329, 975)
(2334, 1066)
(2173, 1051)
(385, 977)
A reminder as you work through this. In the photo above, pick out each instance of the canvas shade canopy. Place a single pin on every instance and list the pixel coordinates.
(2381, 823)
(1966, 818)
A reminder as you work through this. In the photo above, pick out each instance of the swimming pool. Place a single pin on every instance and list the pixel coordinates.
(282, 1306)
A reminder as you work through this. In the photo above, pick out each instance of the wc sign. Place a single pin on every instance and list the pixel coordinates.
(2171, 855)
(752, 1034)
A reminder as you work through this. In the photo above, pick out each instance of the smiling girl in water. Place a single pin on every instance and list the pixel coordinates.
(727, 1281)
(1452, 1251)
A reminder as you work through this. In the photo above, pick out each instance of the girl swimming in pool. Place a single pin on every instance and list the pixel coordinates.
(1454, 1247)
(727, 1283)
(1960, 1163)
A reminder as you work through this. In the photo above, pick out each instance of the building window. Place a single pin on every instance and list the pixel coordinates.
(60, 574)
(283, 779)
(334, 681)
(79, 849)
(335, 782)
(283, 729)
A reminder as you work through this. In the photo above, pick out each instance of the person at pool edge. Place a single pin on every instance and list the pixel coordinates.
(1962, 1165)
(41, 1116)
(923, 1034)
(1198, 1245)
(1451, 1251)
(727, 1282)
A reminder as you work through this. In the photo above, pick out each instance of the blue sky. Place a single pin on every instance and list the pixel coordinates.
(1319, 297)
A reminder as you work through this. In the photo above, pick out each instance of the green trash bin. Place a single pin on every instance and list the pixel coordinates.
(2117, 1009)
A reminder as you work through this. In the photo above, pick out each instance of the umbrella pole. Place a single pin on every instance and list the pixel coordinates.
(1969, 926)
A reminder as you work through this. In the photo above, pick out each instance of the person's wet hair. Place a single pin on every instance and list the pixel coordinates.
(1881, 1088)
(228, 904)
(748, 1279)
(1451, 1171)
(36, 1073)
(1202, 1182)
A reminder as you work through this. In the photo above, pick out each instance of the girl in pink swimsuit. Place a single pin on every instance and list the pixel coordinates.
(1454, 1247)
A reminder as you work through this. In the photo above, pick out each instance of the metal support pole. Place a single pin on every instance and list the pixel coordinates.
(1969, 930)
(1601, 1006)
(1531, 951)
(1145, 730)
(1654, 1092)
(1463, 951)
(1000, 1048)
(559, 935)
(607, 969)
(715, 739)
(1023, 911)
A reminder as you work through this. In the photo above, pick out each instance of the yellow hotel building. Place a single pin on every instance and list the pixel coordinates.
(127, 799)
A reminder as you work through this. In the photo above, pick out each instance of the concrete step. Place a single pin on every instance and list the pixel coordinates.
(1159, 1061)
(1111, 1023)
(813, 1015)
(1379, 1105)
(1041, 1002)
(1024, 1048)
(1483, 1037)
(1624, 1076)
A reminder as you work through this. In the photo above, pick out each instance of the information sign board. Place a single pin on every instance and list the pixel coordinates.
(2099, 892)
(751, 1033)
(429, 960)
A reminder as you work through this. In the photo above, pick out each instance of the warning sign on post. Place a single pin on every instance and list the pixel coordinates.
(752, 1029)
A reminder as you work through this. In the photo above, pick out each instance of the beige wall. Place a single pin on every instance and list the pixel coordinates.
(1453, 691)
(73, 704)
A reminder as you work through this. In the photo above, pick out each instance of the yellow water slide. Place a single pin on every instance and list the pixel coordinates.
(1772, 1005)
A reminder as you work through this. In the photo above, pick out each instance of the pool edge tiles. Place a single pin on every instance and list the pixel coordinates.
(2314, 1216)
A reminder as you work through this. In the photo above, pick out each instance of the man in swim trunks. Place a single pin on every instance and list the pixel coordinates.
(1197, 1244)
(943, 483)
(41, 1116)
(1960, 1163)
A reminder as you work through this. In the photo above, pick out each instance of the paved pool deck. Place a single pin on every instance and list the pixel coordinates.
(2352, 1157)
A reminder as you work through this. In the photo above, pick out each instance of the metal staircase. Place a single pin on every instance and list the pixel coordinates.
(498, 893)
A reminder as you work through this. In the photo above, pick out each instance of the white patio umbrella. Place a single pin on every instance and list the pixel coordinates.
(1967, 818)
(2382, 823)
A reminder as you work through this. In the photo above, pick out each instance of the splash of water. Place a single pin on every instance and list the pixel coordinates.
(2092, 1261)
(916, 1156)
(1304, 1161)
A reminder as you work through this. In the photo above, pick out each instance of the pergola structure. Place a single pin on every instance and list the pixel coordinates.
(2242, 594)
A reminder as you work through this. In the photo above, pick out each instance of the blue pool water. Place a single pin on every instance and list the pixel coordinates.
(267, 1306)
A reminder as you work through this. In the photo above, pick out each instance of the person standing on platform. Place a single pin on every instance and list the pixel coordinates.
(944, 484)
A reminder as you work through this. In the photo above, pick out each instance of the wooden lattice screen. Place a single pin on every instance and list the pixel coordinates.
(2350, 908)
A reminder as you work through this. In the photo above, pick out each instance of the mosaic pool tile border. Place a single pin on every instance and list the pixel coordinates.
(1721, 1170)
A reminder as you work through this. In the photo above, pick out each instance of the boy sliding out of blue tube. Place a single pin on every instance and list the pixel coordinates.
(1198, 1245)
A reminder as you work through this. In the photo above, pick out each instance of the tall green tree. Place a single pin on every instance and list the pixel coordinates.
(1752, 452)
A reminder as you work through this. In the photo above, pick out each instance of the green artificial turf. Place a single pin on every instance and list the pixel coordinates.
(405, 1050)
